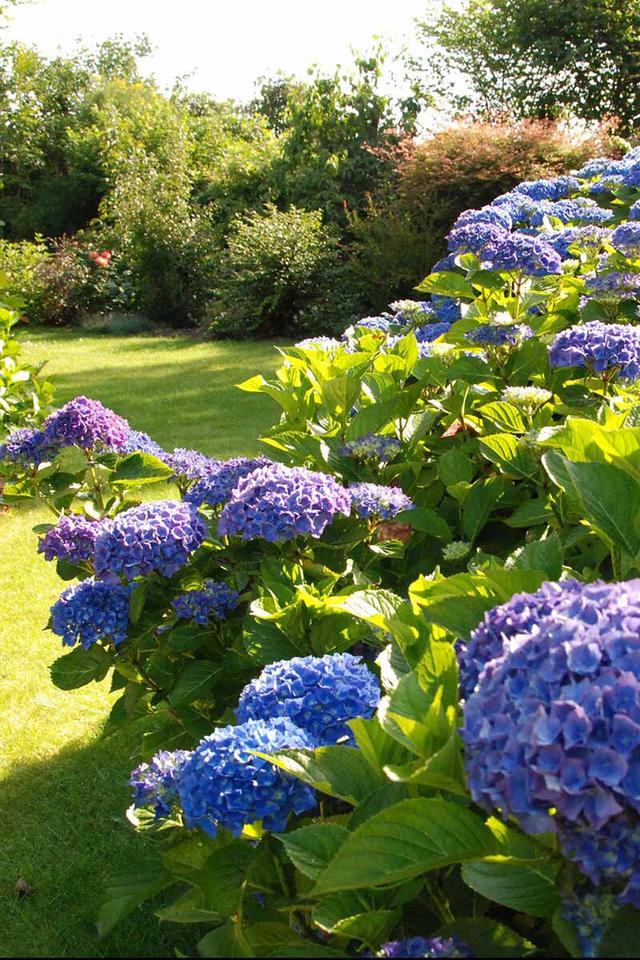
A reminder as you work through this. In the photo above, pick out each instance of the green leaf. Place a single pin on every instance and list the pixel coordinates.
(530, 514)
(479, 504)
(338, 771)
(455, 467)
(426, 521)
(349, 915)
(486, 938)
(405, 840)
(504, 415)
(126, 891)
(447, 284)
(507, 452)
(137, 469)
(188, 908)
(622, 936)
(546, 555)
(311, 848)
(194, 682)
(80, 667)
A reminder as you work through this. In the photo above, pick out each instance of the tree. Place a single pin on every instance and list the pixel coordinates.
(539, 58)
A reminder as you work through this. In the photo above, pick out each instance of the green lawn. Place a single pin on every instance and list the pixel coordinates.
(64, 789)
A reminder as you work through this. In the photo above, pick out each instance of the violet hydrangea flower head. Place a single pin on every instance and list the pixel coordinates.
(499, 216)
(72, 539)
(425, 947)
(216, 600)
(519, 205)
(318, 694)
(601, 167)
(190, 464)
(90, 611)
(155, 784)
(580, 210)
(26, 445)
(552, 730)
(378, 501)
(84, 423)
(138, 442)
(499, 334)
(158, 536)
(517, 252)
(589, 238)
(626, 239)
(557, 189)
(614, 286)
(599, 347)
(590, 914)
(372, 447)
(217, 486)
(431, 331)
(277, 503)
(223, 784)
(473, 236)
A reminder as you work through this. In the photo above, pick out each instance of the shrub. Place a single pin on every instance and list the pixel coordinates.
(278, 268)
(441, 467)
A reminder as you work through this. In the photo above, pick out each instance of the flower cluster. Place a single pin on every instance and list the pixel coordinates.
(155, 784)
(515, 252)
(138, 442)
(411, 311)
(216, 487)
(431, 331)
(519, 206)
(590, 239)
(319, 694)
(84, 423)
(158, 536)
(614, 286)
(590, 914)
(224, 784)
(216, 599)
(278, 503)
(552, 730)
(26, 445)
(556, 189)
(499, 334)
(330, 344)
(600, 347)
(190, 464)
(380, 324)
(72, 539)
(456, 550)
(581, 209)
(626, 239)
(526, 398)
(90, 611)
(473, 237)
(376, 500)
(372, 446)
(425, 947)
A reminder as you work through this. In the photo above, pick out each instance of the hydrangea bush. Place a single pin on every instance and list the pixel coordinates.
(386, 676)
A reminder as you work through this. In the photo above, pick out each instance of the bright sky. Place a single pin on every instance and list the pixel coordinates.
(225, 44)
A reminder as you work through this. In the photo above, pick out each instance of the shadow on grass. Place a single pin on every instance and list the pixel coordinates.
(64, 833)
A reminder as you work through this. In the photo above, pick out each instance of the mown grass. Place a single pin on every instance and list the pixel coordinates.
(64, 788)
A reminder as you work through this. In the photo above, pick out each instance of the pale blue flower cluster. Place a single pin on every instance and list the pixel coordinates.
(626, 239)
(499, 334)
(216, 599)
(372, 446)
(217, 486)
(373, 500)
(610, 348)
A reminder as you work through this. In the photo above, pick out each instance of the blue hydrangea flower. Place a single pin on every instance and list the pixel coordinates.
(580, 209)
(447, 309)
(216, 599)
(614, 286)
(318, 694)
(589, 238)
(278, 503)
(552, 730)
(520, 206)
(190, 464)
(72, 539)
(380, 324)
(84, 423)
(445, 264)
(505, 623)
(518, 252)
(155, 784)
(425, 947)
(496, 215)
(157, 536)
(600, 347)
(217, 486)
(631, 175)
(138, 442)
(372, 446)
(224, 784)
(590, 914)
(472, 237)
(431, 331)
(626, 239)
(556, 189)
(26, 445)
(634, 211)
(375, 500)
(90, 611)
(499, 334)
(601, 167)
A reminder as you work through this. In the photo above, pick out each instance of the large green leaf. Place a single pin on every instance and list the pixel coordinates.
(479, 504)
(405, 840)
(486, 938)
(311, 848)
(508, 453)
(338, 771)
(194, 682)
(125, 891)
(351, 914)
(140, 468)
(80, 667)
(447, 284)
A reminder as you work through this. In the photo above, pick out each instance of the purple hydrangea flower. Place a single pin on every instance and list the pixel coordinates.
(631, 175)
(517, 252)
(634, 211)
(372, 446)
(473, 237)
(224, 784)
(447, 309)
(318, 694)
(581, 209)
(26, 445)
(589, 238)
(375, 500)
(626, 239)
(520, 206)
(216, 599)
(431, 331)
(279, 503)
(601, 167)
(190, 464)
(84, 423)
(614, 286)
(499, 216)
(590, 914)
(499, 334)
(556, 189)
(552, 730)
(155, 784)
(425, 947)
(445, 264)
(217, 486)
(600, 347)
(158, 536)
(138, 442)
(379, 324)
(72, 539)
(90, 611)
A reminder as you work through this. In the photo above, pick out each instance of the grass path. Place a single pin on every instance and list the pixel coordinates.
(64, 789)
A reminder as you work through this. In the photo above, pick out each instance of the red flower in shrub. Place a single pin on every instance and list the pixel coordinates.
(101, 258)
